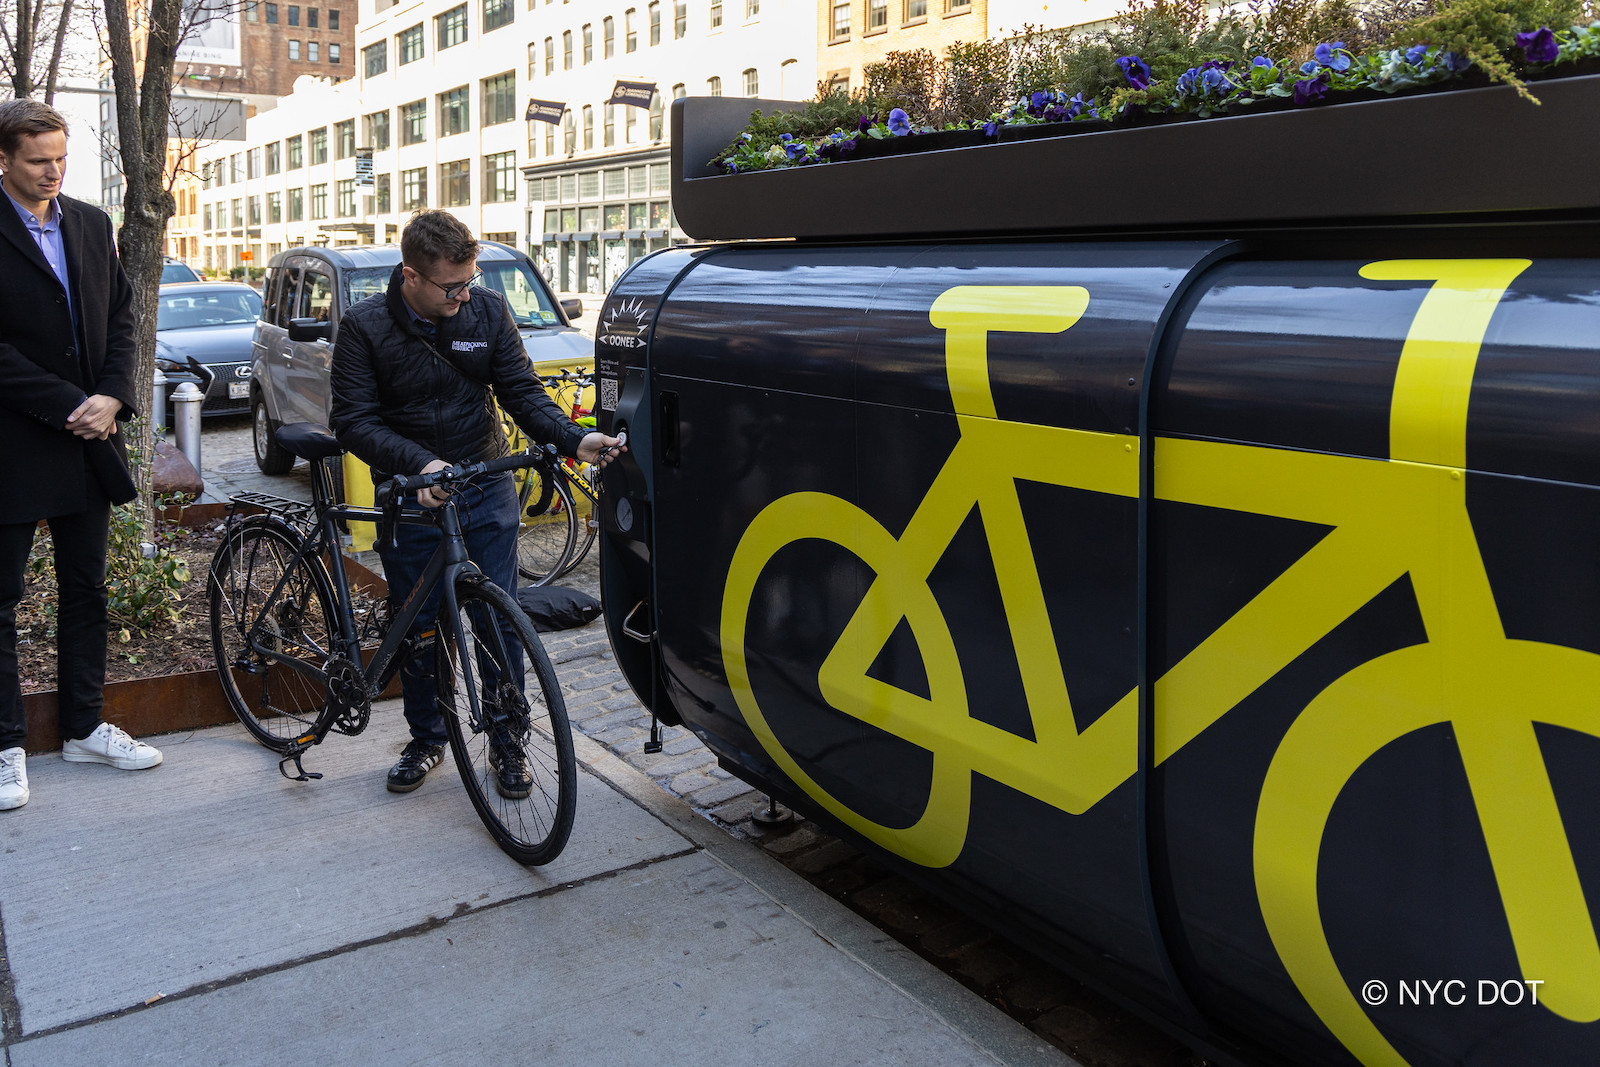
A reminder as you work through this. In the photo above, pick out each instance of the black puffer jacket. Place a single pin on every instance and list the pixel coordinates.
(402, 400)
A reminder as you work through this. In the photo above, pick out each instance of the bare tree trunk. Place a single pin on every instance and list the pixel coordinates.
(27, 26)
(54, 70)
(143, 107)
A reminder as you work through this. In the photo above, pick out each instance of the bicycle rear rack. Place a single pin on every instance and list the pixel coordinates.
(293, 511)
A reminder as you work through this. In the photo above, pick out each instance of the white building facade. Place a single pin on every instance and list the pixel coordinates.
(439, 97)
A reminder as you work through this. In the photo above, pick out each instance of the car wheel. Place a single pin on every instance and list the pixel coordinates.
(271, 457)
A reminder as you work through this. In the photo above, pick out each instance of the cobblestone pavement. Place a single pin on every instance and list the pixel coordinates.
(602, 706)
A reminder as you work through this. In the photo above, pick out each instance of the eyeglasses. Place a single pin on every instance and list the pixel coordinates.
(453, 292)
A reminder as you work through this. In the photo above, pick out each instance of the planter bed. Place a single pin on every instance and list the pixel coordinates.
(1430, 157)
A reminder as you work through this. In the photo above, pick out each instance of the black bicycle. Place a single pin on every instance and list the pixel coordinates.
(289, 652)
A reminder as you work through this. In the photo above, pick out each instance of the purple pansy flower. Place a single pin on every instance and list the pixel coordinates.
(1416, 54)
(1311, 89)
(1454, 62)
(899, 122)
(1539, 45)
(1136, 70)
(1333, 56)
(866, 122)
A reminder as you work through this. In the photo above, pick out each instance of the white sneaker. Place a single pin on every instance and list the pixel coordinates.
(112, 745)
(13, 779)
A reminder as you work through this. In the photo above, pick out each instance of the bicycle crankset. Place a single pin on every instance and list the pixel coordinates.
(347, 689)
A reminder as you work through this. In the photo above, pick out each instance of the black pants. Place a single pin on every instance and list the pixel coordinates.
(80, 557)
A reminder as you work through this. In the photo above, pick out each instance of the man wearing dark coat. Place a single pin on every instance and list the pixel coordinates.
(67, 366)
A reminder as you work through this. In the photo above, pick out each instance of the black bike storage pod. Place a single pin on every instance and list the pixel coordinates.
(1217, 610)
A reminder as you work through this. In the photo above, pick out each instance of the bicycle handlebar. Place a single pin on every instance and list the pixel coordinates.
(389, 495)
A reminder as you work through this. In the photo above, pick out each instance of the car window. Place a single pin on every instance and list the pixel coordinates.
(288, 291)
(362, 282)
(177, 272)
(316, 297)
(530, 304)
(217, 307)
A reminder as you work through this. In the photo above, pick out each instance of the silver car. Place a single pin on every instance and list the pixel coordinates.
(309, 289)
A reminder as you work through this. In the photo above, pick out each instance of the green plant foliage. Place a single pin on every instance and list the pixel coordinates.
(1485, 31)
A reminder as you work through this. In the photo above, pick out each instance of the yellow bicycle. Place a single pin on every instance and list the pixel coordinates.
(1388, 518)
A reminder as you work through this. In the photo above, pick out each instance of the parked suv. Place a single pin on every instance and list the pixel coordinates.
(308, 291)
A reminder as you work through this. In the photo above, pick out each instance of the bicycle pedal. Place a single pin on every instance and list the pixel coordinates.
(301, 774)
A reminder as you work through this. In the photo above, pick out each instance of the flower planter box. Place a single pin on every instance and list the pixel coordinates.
(1468, 154)
(164, 704)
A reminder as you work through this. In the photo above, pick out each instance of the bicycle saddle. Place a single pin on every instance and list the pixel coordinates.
(308, 440)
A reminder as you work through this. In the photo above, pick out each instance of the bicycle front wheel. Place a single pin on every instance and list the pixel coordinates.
(585, 518)
(548, 530)
(272, 630)
(507, 722)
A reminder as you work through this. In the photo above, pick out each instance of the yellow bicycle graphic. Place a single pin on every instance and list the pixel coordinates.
(1388, 518)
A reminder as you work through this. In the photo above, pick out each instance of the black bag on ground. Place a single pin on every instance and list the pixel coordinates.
(555, 607)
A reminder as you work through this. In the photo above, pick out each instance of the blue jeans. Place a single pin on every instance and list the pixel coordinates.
(489, 521)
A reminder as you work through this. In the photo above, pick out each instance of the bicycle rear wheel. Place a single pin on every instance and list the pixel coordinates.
(267, 608)
(507, 722)
(585, 517)
(548, 530)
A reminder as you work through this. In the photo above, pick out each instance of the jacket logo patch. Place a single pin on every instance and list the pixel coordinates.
(467, 346)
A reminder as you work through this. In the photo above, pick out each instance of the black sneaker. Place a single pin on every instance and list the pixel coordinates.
(416, 761)
(510, 765)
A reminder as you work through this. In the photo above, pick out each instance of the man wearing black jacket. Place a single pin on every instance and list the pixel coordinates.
(66, 380)
(416, 374)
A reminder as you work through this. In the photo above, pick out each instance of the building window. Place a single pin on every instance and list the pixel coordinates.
(656, 117)
(499, 98)
(294, 51)
(297, 205)
(497, 13)
(500, 178)
(455, 183)
(311, 18)
(630, 126)
(752, 84)
(252, 163)
(549, 138)
(569, 130)
(410, 44)
(630, 27)
(376, 58)
(716, 13)
(294, 15)
(414, 122)
(549, 55)
(752, 8)
(609, 134)
(588, 127)
(566, 50)
(713, 86)
(454, 115)
(916, 9)
(294, 144)
(205, 214)
(312, 48)
(680, 20)
(252, 11)
(680, 91)
(345, 134)
(319, 145)
(319, 200)
(655, 23)
(841, 22)
(345, 207)
(533, 60)
(877, 15)
(383, 192)
(451, 27)
(413, 189)
(588, 43)
(274, 207)
(254, 208)
(608, 34)
(274, 157)
(333, 18)
(272, 14)
(377, 125)
(333, 52)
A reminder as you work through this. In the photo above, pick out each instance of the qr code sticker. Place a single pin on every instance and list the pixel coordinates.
(608, 394)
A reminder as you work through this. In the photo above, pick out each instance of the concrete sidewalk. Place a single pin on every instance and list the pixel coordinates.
(212, 912)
